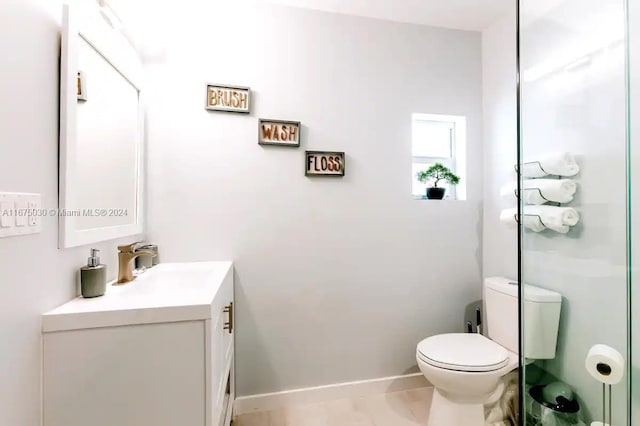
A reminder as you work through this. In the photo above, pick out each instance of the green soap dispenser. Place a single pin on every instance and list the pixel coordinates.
(93, 277)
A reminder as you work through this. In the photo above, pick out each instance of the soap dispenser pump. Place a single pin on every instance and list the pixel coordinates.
(93, 277)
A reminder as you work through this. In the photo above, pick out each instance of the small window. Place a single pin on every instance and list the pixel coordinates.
(439, 139)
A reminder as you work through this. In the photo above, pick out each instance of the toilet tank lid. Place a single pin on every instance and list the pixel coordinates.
(531, 293)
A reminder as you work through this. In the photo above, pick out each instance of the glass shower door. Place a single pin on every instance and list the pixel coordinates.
(633, 120)
(573, 114)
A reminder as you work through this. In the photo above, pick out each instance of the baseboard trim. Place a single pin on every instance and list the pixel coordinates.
(271, 401)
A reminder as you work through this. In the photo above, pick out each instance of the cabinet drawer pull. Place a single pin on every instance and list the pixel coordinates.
(229, 310)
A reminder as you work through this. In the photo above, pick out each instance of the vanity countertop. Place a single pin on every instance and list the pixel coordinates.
(166, 293)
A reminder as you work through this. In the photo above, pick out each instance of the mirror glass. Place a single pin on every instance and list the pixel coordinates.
(101, 131)
(106, 152)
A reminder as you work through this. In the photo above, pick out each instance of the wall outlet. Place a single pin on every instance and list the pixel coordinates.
(20, 214)
(34, 216)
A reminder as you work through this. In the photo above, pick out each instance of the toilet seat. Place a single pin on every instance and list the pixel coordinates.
(466, 352)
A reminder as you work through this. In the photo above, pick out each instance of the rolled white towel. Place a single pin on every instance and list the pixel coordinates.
(509, 190)
(554, 190)
(540, 191)
(557, 163)
(558, 219)
(508, 216)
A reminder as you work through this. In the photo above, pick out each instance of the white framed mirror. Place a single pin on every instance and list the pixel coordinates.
(101, 132)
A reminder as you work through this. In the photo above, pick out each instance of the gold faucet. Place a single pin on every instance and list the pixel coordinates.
(126, 255)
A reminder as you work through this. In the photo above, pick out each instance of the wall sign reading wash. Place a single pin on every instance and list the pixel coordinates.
(228, 98)
(278, 132)
(321, 163)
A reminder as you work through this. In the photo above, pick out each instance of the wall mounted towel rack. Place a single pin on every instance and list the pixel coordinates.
(515, 191)
(515, 166)
(552, 203)
(515, 216)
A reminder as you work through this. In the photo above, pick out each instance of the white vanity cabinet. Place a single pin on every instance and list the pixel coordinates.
(157, 351)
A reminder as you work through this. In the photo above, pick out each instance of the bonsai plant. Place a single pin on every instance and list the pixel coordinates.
(437, 173)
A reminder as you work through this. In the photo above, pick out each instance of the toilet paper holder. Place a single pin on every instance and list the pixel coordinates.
(606, 365)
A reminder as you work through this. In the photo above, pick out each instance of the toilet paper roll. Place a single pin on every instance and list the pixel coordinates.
(605, 364)
(599, 424)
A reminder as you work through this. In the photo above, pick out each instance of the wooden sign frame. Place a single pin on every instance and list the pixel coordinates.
(231, 91)
(311, 168)
(277, 141)
(82, 86)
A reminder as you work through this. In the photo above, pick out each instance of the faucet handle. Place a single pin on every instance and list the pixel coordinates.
(129, 248)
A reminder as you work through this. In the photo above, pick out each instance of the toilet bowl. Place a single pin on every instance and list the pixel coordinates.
(466, 369)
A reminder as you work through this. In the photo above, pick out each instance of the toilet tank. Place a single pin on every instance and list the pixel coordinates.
(541, 317)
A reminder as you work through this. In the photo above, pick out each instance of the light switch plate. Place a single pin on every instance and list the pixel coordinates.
(23, 215)
(7, 220)
(21, 212)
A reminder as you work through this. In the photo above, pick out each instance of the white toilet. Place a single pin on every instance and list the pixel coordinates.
(466, 369)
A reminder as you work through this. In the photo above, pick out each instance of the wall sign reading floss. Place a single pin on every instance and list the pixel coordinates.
(320, 163)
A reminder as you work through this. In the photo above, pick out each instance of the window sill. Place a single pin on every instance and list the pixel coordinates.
(424, 198)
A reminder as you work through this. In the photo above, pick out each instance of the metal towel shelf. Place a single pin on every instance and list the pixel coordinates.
(515, 216)
(554, 203)
(533, 162)
(515, 191)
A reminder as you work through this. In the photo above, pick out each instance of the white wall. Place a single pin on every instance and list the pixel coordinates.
(499, 108)
(34, 275)
(337, 279)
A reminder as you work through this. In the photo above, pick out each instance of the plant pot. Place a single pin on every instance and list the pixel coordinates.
(435, 193)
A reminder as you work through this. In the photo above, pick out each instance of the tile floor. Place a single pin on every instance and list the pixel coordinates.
(406, 408)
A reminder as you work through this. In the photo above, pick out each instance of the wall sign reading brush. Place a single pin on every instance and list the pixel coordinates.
(228, 98)
(321, 163)
(278, 132)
